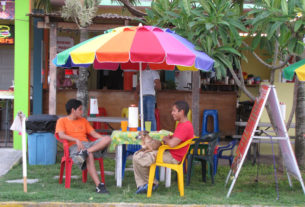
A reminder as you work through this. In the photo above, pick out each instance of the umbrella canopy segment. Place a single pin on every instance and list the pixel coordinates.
(125, 45)
(133, 48)
(298, 68)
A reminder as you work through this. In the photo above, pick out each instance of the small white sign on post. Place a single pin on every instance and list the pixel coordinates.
(93, 106)
(19, 125)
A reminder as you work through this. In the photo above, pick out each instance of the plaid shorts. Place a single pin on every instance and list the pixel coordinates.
(74, 150)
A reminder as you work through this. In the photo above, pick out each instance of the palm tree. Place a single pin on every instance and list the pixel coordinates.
(45, 5)
(212, 25)
(81, 12)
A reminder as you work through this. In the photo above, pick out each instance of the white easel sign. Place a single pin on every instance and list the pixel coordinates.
(267, 96)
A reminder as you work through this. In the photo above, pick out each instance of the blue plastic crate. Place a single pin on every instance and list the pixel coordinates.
(42, 149)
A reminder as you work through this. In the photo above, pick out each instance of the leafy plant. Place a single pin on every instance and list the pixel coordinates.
(43, 4)
(278, 29)
(81, 12)
(212, 25)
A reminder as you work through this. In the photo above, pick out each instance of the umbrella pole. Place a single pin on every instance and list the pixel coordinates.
(141, 99)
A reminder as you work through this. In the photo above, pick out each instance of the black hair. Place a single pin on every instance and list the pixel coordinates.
(72, 104)
(182, 105)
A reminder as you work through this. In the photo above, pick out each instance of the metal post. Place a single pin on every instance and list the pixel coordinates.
(141, 99)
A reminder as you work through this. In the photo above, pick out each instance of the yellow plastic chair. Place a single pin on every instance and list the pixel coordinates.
(177, 167)
(189, 117)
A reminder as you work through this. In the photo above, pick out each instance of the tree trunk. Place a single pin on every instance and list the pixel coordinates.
(82, 82)
(195, 101)
(300, 125)
(53, 71)
(132, 9)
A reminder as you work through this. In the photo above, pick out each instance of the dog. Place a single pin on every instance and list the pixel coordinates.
(148, 144)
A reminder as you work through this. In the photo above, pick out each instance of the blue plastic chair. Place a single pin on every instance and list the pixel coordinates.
(128, 149)
(219, 155)
(206, 114)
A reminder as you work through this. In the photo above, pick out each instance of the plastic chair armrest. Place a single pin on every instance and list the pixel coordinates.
(205, 140)
(162, 148)
(65, 144)
(230, 146)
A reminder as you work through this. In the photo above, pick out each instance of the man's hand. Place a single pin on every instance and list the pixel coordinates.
(62, 135)
(166, 138)
(157, 84)
(171, 141)
(80, 145)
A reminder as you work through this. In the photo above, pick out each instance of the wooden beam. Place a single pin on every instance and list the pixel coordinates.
(73, 26)
(52, 73)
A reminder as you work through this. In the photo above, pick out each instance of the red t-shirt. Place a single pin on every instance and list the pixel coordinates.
(78, 128)
(184, 131)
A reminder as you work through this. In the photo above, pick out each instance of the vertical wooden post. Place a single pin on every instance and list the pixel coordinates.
(52, 86)
(46, 47)
(37, 66)
(195, 101)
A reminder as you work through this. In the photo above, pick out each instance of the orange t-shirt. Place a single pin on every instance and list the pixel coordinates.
(78, 128)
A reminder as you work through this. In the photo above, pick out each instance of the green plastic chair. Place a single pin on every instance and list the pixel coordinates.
(203, 151)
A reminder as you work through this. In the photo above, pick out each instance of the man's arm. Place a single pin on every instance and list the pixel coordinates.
(157, 83)
(62, 135)
(96, 135)
(171, 141)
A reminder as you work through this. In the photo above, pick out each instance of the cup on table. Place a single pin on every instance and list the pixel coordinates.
(124, 126)
(148, 126)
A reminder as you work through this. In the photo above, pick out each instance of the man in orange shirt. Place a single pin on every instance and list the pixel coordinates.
(75, 129)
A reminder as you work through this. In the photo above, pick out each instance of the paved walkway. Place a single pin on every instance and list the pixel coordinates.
(60, 204)
(8, 158)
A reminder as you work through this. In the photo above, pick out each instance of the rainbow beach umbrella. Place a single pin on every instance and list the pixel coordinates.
(298, 68)
(134, 48)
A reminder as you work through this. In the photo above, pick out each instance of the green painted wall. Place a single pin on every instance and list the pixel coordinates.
(21, 73)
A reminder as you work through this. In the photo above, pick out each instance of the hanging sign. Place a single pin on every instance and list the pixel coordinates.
(64, 43)
(93, 106)
(6, 34)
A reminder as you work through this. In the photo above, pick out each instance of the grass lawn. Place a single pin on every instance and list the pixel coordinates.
(245, 192)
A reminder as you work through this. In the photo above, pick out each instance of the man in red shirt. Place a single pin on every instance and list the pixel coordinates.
(183, 132)
(75, 129)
